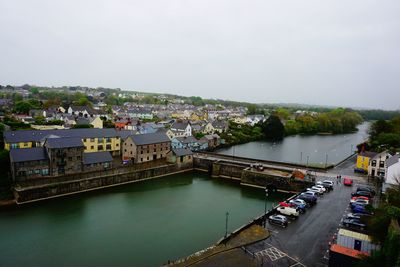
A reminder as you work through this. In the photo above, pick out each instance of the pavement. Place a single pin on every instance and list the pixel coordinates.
(306, 240)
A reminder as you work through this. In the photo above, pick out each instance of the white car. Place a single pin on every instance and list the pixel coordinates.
(317, 191)
(310, 193)
(288, 211)
(328, 182)
(320, 186)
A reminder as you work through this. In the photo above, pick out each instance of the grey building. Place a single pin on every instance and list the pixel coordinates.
(146, 147)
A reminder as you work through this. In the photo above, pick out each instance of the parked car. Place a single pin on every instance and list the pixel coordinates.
(310, 199)
(362, 194)
(289, 211)
(297, 204)
(361, 202)
(347, 181)
(356, 215)
(327, 186)
(365, 188)
(318, 191)
(310, 193)
(354, 224)
(328, 182)
(321, 187)
(278, 219)
(354, 199)
(360, 209)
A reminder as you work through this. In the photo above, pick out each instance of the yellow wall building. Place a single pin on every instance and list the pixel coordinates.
(363, 159)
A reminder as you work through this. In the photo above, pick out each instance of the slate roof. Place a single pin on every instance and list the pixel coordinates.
(219, 124)
(179, 126)
(37, 135)
(150, 138)
(63, 142)
(182, 152)
(186, 140)
(392, 160)
(28, 154)
(97, 157)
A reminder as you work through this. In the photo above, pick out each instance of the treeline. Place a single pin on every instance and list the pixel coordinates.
(377, 114)
(241, 133)
(385, 135)
(333, 122)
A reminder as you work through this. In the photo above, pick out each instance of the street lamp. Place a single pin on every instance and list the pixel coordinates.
(226, 223)
(265, 206)
(307, 162)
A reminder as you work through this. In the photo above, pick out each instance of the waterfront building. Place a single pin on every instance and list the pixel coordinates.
(377, 165)
(180, 156)
(363, 159)
(145, 147)
(94, 140)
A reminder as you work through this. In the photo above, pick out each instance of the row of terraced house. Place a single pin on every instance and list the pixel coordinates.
(36, 154)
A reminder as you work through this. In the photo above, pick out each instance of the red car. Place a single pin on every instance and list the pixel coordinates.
(348, 181)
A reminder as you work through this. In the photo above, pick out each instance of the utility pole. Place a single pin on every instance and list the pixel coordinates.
(226, 224)
(265, 206)
(307, 162)
(326, 160)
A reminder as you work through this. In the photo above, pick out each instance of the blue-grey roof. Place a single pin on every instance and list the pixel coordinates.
(63, 142)
(150, 138)
(392, 160)
(28, 154)
(182, 151)
(97, 157)
(37, 135)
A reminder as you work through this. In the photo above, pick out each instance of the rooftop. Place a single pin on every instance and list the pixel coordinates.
(150, 138)
(97, 157)
(182, 151)
(64, 142)
(28, 154)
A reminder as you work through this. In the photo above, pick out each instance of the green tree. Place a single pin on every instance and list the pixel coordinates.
(273, 128)
(22, 107)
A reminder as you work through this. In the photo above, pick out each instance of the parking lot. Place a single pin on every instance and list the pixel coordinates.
(306, 240)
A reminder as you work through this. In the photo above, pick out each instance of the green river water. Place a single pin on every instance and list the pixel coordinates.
(141, 224)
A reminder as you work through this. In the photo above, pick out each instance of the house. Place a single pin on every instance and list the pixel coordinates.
(180, 129)
(58, 156)
(96, 122)
(65, 154)
(220, 126)
(97, 161)
(377, 165)
(392, 176)
(240, 120)
(145, 147)
(185, 142)
(180, 156)
(28, 163)
(141, 113)
(94, 140)
(213, 140)
(83, 111)
(254, 119)
(363, 159)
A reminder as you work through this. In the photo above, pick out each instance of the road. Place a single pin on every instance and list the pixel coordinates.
(306, 240)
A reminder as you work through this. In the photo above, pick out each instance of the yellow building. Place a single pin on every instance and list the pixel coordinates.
(363, 159)
(94, 140)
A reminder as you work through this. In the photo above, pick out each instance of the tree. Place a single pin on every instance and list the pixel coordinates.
(273, 128)
(22, 107)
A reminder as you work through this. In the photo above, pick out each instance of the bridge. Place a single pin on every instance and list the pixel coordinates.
(255, 172)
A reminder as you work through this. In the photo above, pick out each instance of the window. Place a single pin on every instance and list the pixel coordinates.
(14, 146)
(373, 163)
(108, 147)
(91, 147)
(131, 144)
(84, 139)
(70, 158)
(100, 147)
(116, 144)
(45, 171)
(141, 152)
(147, 158)
(131, 152)
(381, 164)
(91, 139)
(108, 139)
(37, 172)
(78, 157)
(141, 159)
(100, 140)
(125, 150)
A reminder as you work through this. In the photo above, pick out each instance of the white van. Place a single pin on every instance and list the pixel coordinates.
(288, 211)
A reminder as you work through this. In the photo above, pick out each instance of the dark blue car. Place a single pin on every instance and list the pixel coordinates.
(360, 209)
(301, 206)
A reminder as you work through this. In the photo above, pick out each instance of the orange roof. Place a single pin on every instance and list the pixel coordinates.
(348, 251)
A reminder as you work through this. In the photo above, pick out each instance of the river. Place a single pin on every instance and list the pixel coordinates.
(316, 149)
(142, 224)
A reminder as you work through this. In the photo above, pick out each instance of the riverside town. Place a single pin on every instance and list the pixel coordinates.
(58, 142)
(199, 133)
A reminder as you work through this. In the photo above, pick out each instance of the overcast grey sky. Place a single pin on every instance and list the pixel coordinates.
(342, 53)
